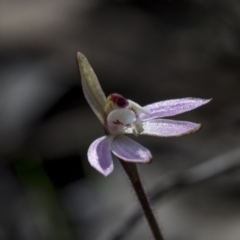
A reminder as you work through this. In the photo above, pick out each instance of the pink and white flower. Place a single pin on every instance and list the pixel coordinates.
(121, 116)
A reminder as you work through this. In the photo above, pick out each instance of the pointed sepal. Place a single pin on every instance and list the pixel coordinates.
(91, 87)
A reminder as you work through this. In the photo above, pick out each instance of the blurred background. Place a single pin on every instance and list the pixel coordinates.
(147, 51)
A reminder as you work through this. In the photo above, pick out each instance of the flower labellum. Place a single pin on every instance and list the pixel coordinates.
(121, 116)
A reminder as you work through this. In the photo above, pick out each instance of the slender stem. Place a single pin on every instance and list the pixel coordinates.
(131, 170)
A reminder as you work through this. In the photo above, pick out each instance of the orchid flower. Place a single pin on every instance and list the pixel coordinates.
(120, 116)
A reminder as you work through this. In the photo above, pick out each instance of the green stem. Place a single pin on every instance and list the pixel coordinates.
(131, 170)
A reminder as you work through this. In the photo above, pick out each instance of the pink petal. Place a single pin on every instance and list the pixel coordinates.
(169, 128)
(129, 150)
(172, 107)
(99, 155)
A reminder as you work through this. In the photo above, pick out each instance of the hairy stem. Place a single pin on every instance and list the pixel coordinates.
(131, 170)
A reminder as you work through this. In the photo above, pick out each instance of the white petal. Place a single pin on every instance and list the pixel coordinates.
(91, 87)
(118, 119)
(99, 155)
(169, 128)
(129, 150)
